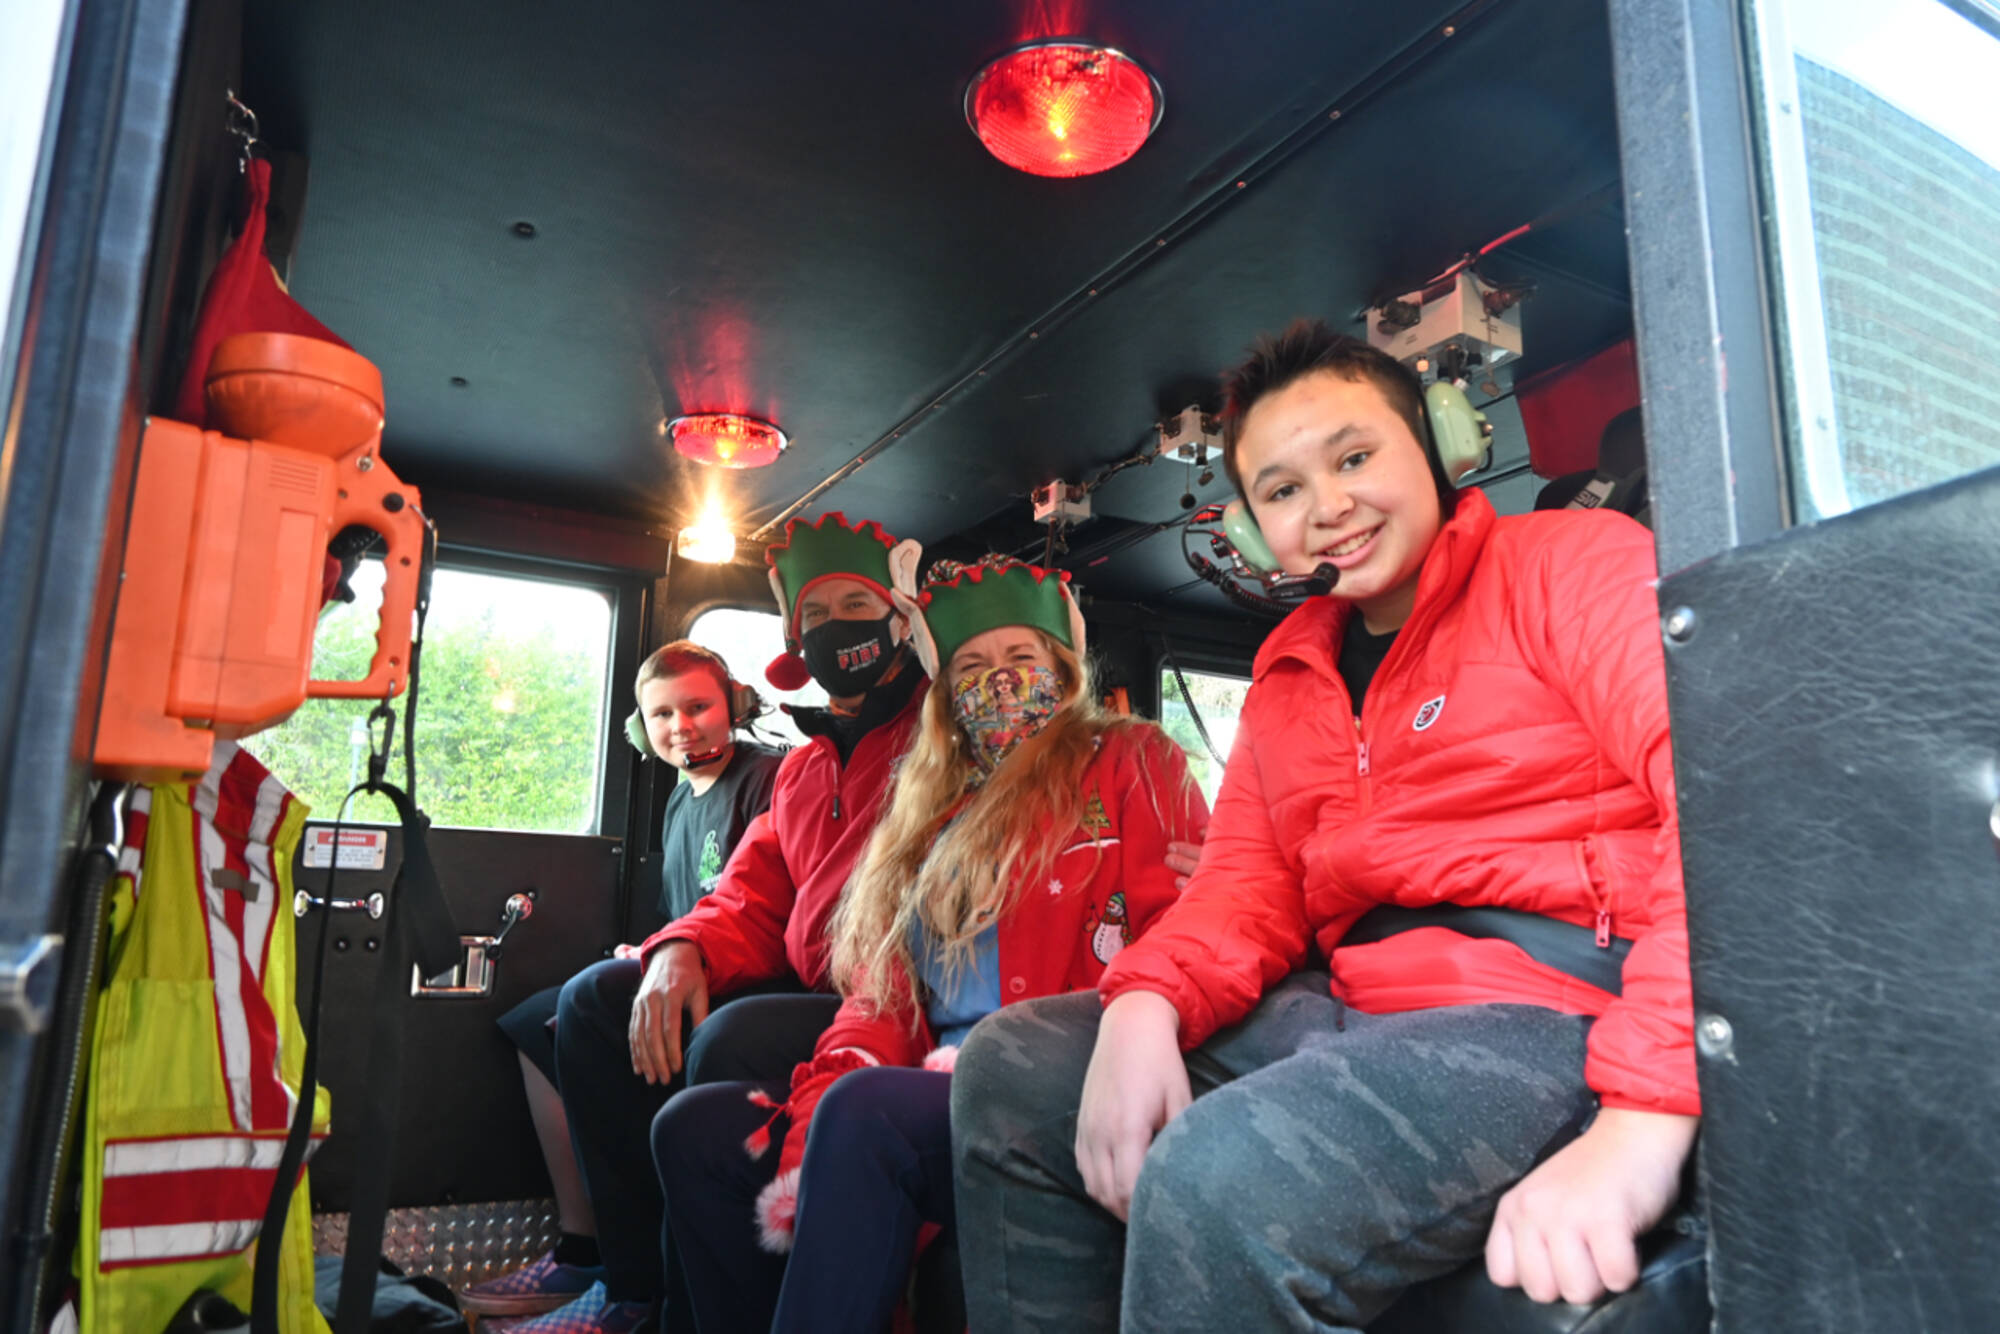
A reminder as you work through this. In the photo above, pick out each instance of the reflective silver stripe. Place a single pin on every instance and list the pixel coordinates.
(260, 911)
(195, 1153)
(131, 857)
(225, 954)
(173, 1241)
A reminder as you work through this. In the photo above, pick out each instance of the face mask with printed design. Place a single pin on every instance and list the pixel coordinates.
(1003, 706)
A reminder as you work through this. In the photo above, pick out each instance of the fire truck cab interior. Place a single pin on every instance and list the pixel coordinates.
(1722, 264)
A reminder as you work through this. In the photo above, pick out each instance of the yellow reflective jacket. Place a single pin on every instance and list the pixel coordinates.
(196, 1057)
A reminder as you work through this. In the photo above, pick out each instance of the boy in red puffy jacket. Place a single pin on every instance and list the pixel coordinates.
(1452, 777)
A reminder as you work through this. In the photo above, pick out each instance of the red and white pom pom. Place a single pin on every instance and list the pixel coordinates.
(777, 1210)
(787, 671)
(759, 1142)
(942, 1059)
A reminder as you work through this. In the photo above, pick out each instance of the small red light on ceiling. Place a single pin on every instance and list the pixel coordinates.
(727, 439)
(1063, 107)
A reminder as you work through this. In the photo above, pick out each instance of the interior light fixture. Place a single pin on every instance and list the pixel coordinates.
(1063, 107)
(727, 439)
(708, 540)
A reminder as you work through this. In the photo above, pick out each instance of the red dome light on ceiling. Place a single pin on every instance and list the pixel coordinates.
(727, 439)
(1063, 108)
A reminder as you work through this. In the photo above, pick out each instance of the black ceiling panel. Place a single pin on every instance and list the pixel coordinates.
(778, 208)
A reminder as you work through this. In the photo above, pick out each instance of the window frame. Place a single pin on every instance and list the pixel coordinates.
(1206, 664)
(685, 628)
(1715, 433)
(627, 593)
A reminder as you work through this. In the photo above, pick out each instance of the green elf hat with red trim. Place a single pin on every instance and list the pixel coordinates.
(958, 602)
(829, 547)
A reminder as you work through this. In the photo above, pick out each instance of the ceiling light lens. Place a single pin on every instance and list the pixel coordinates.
(1063, 108)
(708, 541)
(727, 439)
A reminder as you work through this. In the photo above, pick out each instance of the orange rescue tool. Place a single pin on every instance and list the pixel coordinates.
(224, 555)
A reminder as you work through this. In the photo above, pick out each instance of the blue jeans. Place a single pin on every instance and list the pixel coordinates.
(1330, 1160)
(877, 1167)
(757, 1033)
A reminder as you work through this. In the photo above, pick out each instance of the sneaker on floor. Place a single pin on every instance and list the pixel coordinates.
(592, 1313)
(531, 1289)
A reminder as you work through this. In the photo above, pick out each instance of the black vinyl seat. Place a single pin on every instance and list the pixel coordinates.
(1671, 1297)
(1618, 482)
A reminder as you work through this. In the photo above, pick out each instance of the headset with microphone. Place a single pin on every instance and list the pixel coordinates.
(745, 707)
(1459, 434)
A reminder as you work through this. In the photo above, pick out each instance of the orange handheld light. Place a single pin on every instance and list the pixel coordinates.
(225, 550)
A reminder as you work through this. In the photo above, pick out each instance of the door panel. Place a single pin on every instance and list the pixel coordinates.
(464, 1132)
(1836, 716)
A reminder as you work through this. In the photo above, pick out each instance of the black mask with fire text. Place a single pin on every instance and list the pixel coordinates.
(847, 657)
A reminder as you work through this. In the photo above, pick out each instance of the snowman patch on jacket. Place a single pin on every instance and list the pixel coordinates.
(1111, 932)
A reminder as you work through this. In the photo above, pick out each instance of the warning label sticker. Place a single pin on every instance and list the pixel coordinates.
(360, 849)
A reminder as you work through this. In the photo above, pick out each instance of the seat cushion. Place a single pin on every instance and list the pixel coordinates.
(1671, 1297)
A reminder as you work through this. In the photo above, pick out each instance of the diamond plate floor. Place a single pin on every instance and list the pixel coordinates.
(460, 1244)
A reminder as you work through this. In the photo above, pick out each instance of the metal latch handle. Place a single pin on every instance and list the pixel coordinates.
(518, 909)
(373, 905)
(473, 975)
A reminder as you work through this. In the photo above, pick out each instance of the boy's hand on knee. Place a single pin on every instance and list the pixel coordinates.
(1136, 1084)
(1569, 1228)
(675, 983)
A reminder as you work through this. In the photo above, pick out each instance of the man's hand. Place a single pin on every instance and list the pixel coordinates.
(675, 981)
(1182, 858)
(1568, 1228)
(1135, 1085)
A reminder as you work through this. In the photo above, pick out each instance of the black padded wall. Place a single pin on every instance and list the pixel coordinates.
(1837, 740)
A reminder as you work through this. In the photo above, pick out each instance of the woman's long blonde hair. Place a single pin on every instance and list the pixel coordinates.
(1007, 837)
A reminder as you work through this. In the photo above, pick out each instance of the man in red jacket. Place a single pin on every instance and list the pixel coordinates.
(1452, 777)
(757, 941)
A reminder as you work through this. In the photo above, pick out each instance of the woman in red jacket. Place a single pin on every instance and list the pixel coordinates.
(1452, 780)
(1026, 844)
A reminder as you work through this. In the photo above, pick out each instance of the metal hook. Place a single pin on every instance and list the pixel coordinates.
(243, 125)
(378, 755)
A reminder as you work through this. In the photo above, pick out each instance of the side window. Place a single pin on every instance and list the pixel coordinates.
(511, 718)
(1219, 701)
(747, 640)
(1883, 169)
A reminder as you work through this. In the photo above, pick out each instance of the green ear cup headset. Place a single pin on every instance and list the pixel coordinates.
(744, 707)
(1459, 432)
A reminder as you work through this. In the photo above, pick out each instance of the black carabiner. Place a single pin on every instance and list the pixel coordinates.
(378, 754)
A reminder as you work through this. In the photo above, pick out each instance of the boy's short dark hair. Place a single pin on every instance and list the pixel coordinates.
(681, 657)
(1307, 346)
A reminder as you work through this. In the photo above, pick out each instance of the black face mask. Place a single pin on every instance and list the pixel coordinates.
(847, 657)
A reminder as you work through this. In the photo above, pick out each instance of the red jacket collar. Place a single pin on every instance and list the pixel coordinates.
(1310, 634)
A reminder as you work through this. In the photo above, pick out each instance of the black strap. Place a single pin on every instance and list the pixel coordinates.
(417, 927)
(1560, 945)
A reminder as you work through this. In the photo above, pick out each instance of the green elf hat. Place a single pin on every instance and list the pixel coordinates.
(960, 601)
(829, 547)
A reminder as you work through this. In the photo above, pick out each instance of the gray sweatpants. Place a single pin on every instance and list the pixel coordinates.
(1330, 1160)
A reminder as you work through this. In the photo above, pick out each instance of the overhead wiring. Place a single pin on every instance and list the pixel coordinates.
(1581, 205)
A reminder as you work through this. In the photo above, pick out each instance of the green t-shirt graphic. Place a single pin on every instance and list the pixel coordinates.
(699, 832)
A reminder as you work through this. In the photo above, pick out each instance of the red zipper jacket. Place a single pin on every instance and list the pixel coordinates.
(1512, 751)
(768, 914)
(1109, 883)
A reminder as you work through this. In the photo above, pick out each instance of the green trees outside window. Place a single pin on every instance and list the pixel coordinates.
(512, 719)
(1219, 700)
